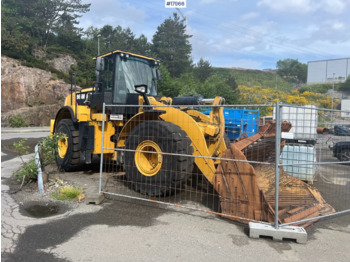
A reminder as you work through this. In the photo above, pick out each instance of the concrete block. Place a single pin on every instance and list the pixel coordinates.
(94, 198)
(287, 232)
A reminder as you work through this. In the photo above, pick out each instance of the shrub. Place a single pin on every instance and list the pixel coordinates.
(48, 149)
(17, 121)
(28, 171)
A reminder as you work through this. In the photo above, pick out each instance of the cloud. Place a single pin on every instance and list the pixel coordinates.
(242, 63)
(207, 1)
(238, 36)
(333, 6)
(249, 16)
(341, 50)
(215, 1)
(338, 26)
(299, 6)
(331, 30)
(202, 45)
(114, 13)
(241, 33)
(304, 6)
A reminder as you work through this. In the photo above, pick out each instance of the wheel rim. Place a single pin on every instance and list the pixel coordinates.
(148, 158)
(62, 147)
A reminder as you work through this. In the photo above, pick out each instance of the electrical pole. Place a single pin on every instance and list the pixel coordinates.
(98, 45)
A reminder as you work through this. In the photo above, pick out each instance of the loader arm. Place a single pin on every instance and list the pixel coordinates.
(206, 133)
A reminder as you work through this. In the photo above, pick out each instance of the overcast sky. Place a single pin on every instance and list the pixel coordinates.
(240, 33)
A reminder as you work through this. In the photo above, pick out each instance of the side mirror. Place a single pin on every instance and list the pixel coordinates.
(159, 75)
(141, 89)
(100, 64)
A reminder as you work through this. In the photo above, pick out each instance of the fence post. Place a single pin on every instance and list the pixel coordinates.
(102, 145)
(277, 159)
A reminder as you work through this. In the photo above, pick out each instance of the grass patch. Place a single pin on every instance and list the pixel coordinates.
(68, 192)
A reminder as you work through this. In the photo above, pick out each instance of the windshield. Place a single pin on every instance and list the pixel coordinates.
(133, 71)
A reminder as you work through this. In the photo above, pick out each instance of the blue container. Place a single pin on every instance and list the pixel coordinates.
(239, 122)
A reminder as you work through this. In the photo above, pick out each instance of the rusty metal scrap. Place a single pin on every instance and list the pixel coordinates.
(297, 200)
(247, 192)
(268, 130)
(323, 130)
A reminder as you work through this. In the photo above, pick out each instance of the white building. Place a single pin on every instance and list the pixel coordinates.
(325, 71)
(345, 107)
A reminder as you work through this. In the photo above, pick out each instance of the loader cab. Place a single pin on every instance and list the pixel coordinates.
(117, 75)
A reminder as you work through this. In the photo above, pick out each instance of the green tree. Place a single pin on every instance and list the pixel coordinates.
(42, 19)
(68, 36)
(171, 45)
(187, 84)
(203, 70)
(90, 38)
(142, 46)
(15, 42)
(117, 38)
(167, 86)
(292, 70)
(58, 14)
(216, 85)
(231, 82)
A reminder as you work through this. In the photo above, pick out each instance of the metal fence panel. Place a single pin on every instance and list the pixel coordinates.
(160, 162)
(311, 158)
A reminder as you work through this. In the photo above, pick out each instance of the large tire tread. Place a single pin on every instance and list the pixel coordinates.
(176, 168)
(72, 159)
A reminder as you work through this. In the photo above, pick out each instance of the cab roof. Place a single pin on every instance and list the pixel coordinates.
(124, 52)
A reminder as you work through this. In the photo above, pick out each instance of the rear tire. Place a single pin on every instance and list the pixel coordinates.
(68, 155)
(157, 174)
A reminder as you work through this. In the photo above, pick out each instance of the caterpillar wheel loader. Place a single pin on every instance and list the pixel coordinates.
(150, 140)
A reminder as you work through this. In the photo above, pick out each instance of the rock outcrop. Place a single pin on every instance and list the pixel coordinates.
(33, 93)
(62, 63)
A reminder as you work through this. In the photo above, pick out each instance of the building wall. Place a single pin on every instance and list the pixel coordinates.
(345, 107)
(323, 71)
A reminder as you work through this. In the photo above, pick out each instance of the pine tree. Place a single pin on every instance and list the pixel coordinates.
(203, 70)
(171, 45)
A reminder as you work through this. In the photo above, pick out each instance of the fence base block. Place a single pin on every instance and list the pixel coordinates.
(256, 230)
(94, 198)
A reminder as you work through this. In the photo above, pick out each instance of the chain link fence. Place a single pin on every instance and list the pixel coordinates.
(172, 156)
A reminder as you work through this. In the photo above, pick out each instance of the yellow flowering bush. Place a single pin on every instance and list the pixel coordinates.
(266, 96)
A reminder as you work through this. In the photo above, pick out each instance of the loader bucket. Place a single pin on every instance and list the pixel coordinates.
(247, 191)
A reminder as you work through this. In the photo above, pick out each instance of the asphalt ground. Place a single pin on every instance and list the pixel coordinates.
(12, 135)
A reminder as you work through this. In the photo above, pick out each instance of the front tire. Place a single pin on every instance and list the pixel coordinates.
(149, 167)
(68, 152)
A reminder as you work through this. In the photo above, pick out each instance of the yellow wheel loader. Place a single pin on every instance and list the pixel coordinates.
(151, 139)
